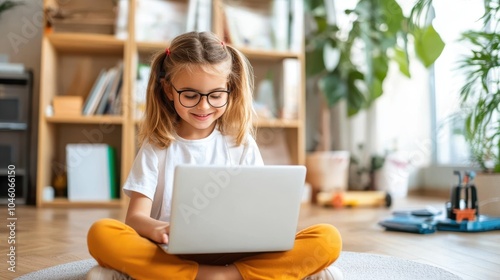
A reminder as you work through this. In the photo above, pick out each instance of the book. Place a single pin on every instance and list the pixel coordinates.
(91, 172)
(265, 100)
(291, 88)
(111, 91)
(204, 16)
(115, 107)
(191, 15)
(141, 87)
(103, 101)
(98, 84)
(296, 27)
(281, 23)
(121, 22)
(100, 90)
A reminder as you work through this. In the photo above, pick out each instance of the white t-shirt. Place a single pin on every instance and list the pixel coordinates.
(153, 168)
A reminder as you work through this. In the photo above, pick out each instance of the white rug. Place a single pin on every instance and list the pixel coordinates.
(353, 265)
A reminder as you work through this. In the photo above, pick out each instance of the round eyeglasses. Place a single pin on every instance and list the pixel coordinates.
(190, 98)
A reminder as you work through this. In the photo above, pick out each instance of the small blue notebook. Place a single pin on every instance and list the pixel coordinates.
(410, 223)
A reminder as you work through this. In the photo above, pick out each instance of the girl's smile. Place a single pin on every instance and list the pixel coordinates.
(203, 117)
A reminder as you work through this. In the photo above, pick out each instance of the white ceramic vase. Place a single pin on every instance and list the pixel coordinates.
(328, 171)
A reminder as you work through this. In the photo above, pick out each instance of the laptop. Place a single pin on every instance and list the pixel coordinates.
(234, 209)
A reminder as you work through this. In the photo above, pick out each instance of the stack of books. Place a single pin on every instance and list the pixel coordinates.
(105, 95)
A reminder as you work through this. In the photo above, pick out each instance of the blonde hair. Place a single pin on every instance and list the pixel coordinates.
(206, 50)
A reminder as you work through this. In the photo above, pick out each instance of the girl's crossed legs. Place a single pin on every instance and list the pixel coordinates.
(117, 246)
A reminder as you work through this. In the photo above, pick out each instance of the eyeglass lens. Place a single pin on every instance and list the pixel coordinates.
(192, 98)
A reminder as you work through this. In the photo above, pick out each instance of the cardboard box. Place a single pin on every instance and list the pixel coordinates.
(68, 105)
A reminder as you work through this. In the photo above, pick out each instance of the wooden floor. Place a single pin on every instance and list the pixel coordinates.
(47, 237)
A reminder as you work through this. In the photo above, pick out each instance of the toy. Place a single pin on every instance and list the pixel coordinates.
(463, 199)
(354, 199)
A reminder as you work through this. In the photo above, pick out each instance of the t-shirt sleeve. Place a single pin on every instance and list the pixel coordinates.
(252, 155)
(143, 176)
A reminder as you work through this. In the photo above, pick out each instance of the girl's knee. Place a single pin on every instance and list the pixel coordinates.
(328, 240)
(101, 231)
(330, 233)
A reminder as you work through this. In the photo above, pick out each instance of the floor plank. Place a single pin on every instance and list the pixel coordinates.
(47, 237)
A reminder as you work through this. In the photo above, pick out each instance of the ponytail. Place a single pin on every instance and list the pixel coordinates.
(160, 117)
(238, 119)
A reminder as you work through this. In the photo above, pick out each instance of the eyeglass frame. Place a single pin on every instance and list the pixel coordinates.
(201, 96)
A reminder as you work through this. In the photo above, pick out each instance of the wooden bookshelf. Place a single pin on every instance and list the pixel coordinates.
(60, 51)
(64, 203)
(255, 54)
(85, 43)
(99, 119)
(284, 123)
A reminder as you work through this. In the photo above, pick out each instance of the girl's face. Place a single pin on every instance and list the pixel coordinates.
(199, 121)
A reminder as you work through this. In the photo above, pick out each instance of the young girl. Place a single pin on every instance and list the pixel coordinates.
(198, 111)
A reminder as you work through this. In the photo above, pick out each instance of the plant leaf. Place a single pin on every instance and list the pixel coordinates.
(393, 15)
(428, 45)
(375, 90)
(333, 88)
(401, 57)
(356, 100)
(314, 60)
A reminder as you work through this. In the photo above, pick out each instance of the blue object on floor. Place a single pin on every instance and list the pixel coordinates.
(482, 223)
(409, 223)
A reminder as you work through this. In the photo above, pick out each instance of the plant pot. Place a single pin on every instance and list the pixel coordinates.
(488, 192)
(393, 178)
(327, 171)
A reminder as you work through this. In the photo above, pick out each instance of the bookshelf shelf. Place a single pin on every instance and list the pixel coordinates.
(86, 43)
(64, 203)
(86, 119)
(268, 54)
(277, 123)
(271, 123)
(150, 47)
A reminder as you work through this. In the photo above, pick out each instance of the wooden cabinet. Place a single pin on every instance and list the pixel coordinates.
(71, 62)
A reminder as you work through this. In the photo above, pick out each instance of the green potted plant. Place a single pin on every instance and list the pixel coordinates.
(480, 94)
(480, 102)
(379, 34)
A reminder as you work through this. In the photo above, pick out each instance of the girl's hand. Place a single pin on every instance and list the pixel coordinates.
(138, 218)
(160, 233)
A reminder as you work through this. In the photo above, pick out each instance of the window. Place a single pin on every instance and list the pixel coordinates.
(450, 22)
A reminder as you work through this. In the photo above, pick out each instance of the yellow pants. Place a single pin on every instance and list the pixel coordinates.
(116, 245)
